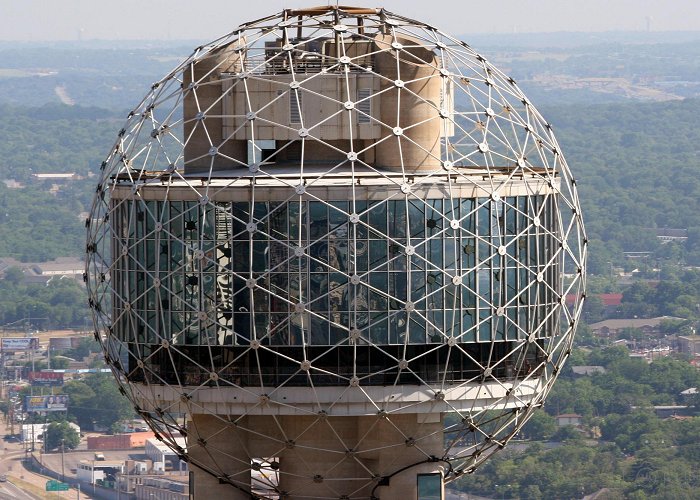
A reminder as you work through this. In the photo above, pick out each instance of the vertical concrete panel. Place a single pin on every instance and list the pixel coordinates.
(415, 443)
(206, 74)
(222, 448)
(322, 449)
(416, 103)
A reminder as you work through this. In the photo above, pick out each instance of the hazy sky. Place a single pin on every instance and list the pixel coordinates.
(206, 19)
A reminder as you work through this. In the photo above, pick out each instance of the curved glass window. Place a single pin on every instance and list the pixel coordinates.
(320, 273)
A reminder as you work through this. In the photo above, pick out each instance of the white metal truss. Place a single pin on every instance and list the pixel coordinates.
(496, 139)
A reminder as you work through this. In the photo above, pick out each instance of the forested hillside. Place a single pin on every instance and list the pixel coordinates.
(113, 75)
(638, 167)
(629, 450)
(41, 219)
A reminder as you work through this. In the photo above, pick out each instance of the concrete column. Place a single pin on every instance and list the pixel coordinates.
(417, 436)
(206, 74)
(329, 457)
(416, 101)
(223, 449)
(319, 462)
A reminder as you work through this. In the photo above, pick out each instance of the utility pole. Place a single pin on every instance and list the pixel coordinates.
(63, 471)
(12, 417)
(3, 392)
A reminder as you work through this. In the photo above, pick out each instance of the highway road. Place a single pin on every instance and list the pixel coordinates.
(8, 491)
(22, 484)
(11, 468)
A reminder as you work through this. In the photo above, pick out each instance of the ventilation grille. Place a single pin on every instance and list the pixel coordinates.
(364, 105)
(295, 105)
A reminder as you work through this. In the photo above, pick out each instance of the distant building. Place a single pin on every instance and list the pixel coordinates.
(690, 392)
(611, 328)
(681, 417)
(163, 458)
(666, 234)
(637, 255)
(13, 184)
(99, 471)
(57, 177)
(587, 370)
(119, 441)
(42, 272)
(648, 355)
(610, 301)
(160, 488)
(62, 266)
(689, 344)
(34, 433)
(667, 411)
(568, 419)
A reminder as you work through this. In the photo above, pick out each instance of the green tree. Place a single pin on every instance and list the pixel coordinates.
(540, 426)
(567, 433)
(630, 333)
(14, 275)
(593, 309)
(96, 400)
(80, 407)
(61, 433)
(85, 347)
(59, 362)
(605, 357)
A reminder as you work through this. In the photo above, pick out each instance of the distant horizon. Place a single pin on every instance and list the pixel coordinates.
(542, 34)
(90, 20)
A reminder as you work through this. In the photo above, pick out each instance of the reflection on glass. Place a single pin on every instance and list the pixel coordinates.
(291, 273)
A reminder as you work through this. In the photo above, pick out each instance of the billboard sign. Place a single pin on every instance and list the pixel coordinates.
(58, 402)
(63, 343)
(19, 343)
(46, 379)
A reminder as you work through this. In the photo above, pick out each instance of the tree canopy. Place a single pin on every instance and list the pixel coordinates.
(96, 401)
(58, 304)
(59, 434)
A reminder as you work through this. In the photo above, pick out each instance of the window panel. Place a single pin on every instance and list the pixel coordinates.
(333, 251)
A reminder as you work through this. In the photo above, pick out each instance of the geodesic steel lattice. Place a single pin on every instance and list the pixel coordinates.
(327, 214)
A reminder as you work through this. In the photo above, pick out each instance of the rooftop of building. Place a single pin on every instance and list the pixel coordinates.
(668, 232)
(60, 265)
(608, 299)
(162, 447)
(587, 370)
(615, 324)
(103, 464)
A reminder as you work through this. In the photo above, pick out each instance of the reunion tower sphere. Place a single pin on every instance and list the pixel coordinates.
(333, 249)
